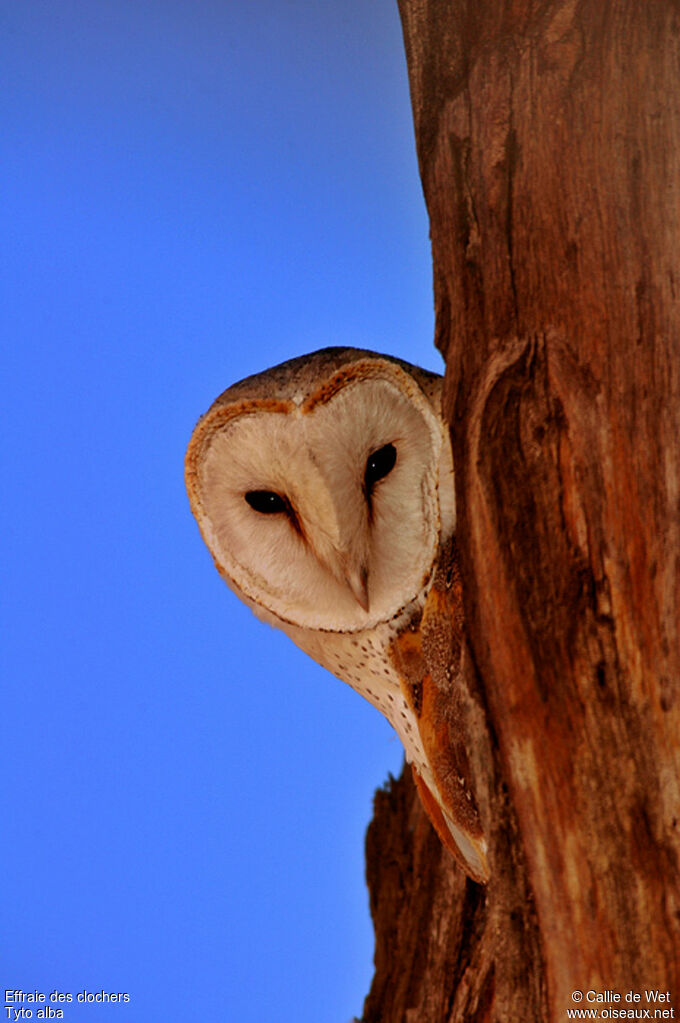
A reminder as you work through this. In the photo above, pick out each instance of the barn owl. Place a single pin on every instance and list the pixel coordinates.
(323, 489)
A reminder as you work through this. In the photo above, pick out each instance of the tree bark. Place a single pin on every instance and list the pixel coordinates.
(548, 138)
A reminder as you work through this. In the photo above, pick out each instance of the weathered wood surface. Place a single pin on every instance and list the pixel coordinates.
(548, 137)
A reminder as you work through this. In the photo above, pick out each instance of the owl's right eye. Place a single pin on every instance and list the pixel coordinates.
(267, 502)
(378, 465)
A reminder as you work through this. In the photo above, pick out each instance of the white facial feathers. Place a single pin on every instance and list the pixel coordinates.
(348, 547)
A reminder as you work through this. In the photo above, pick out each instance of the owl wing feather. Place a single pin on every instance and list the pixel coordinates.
(427, 656)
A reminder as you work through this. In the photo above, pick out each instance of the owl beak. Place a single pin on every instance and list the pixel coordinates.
(357, 580)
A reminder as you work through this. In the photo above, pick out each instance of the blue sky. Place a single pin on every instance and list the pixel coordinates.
(191, 191)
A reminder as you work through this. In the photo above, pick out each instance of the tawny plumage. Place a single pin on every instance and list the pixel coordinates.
(323, 489)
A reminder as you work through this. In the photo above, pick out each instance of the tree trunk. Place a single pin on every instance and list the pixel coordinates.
(548, 136)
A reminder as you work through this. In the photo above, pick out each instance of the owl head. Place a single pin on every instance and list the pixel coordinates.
(316, 487)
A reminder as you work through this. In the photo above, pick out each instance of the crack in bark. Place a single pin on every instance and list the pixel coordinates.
(511, 158)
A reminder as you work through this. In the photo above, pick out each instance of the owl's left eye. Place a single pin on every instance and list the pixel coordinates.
(267, 502)
(379, 465)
